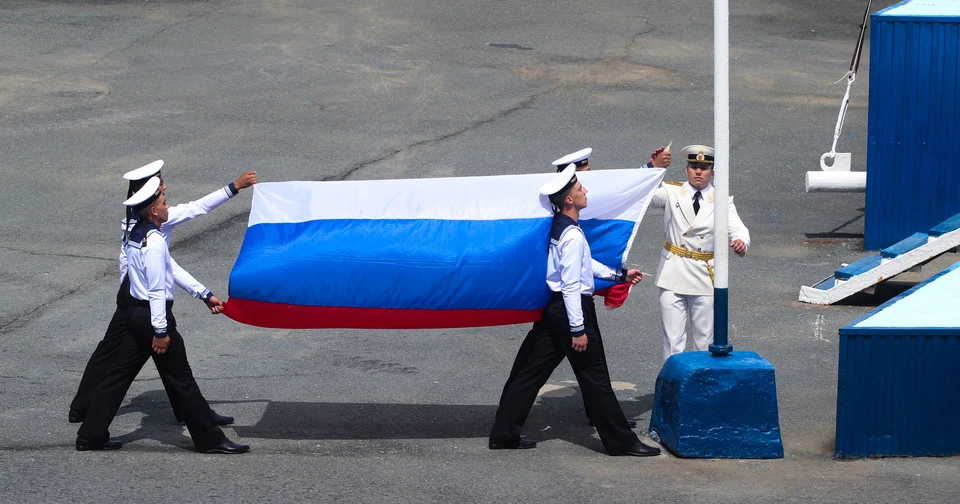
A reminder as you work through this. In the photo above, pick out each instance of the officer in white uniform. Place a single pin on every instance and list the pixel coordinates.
(685, 273)
(571, 332)
(151, 332)
(106, 351)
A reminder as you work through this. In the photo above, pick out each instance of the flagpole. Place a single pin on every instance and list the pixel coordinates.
(721, 175)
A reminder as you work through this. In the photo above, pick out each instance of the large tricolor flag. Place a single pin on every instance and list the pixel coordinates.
(418, 253)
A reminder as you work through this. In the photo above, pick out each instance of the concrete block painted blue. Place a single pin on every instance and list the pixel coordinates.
(717, 407)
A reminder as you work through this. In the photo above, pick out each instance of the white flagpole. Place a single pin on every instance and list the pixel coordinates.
(721, 172)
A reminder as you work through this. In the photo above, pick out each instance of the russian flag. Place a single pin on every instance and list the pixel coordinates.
(418, 253)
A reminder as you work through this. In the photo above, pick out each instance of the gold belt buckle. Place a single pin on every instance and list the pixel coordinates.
(687, 253)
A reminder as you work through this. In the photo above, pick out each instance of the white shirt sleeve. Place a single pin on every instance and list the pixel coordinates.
(570, 252)
(601, 270)
(123, 250)
(123, 262)
(186, 211)
(155, 258)
(186, 281)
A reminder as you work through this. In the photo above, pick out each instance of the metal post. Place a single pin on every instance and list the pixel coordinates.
(721, 173)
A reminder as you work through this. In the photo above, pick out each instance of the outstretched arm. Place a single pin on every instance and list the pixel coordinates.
(187, 211)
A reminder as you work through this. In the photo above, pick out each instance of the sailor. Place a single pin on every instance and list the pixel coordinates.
(660, 158)
(581, 160)
(106, 351)
(571, 332)
(685, 273)
(151, 332)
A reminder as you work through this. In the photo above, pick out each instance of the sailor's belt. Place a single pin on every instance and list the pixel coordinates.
(144, 303)
(689, 254)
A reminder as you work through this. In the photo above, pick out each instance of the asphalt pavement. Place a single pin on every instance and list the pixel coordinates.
(302, 90)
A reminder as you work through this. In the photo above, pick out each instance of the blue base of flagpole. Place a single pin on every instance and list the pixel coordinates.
(720, 346)
(717, 408)
(720, 350)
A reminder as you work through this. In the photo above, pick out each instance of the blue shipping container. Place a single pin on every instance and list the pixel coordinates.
(898, 372)
(913, 163)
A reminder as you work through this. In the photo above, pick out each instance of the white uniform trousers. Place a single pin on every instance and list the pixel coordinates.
(674, 310)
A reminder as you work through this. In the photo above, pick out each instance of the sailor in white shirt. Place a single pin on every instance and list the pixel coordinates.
(180, 214)
(106, 351)
(573, 333)
(152, 332)
(581, 160)
(685, 273)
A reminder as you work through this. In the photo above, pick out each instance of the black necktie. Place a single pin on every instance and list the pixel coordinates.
(696, 202)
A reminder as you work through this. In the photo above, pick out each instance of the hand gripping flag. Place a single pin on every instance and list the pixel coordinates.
(418, 253)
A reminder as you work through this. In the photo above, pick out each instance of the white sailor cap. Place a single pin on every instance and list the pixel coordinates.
(579, 158)
(697, 154)
(144, 172)
(139, 176)
(145, 195)
(561, 181)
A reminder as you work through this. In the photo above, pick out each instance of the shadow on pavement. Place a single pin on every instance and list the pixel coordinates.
(158, 422)
(550, 418)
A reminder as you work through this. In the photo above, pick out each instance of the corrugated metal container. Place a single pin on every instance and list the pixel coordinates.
(913, 170)
(898, 386)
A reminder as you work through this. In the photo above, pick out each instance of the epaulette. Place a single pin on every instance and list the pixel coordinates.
(673, 182)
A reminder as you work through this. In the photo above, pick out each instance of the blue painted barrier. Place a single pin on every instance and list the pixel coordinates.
(717, 407)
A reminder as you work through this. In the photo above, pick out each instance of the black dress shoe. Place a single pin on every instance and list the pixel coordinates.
(630, 423)
(228, 447)
(641, 450)
(523, 444)
(74, 416)
(219, 419)
(86, 445)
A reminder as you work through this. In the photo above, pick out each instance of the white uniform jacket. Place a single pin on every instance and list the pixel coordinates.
(690, 231)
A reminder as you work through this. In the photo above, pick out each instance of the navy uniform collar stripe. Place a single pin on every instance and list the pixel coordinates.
(560, 224)
(139, 232)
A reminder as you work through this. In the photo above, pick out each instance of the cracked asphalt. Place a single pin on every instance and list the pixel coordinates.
(302, 90)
